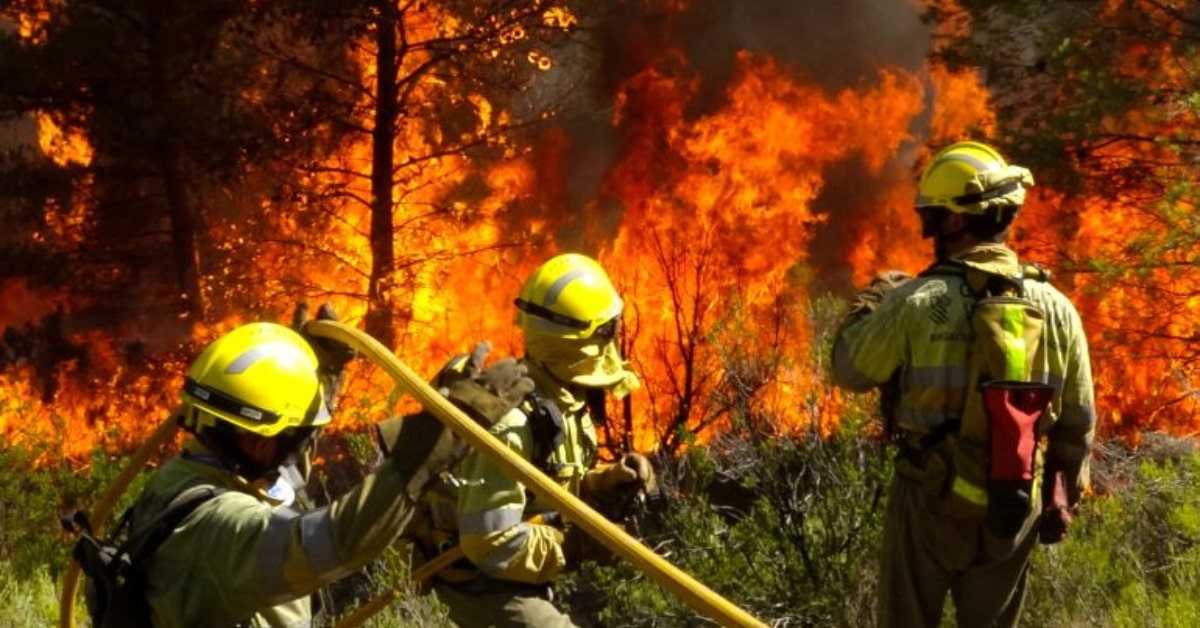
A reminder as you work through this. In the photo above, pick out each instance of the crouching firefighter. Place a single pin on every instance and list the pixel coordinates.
(254, 401)
(990, 396)
(514, 546)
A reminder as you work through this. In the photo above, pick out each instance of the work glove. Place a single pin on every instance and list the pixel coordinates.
(487, 394)
(579, 547)
(614, 490)
(1056, 513)
(422, 447)
(332, 355)
(869, 298)
(462, 366)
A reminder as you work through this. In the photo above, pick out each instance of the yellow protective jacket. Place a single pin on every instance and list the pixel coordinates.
(921, 332)
(241, 560)
(491, 510)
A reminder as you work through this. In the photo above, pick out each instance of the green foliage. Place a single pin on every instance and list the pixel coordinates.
(28, 601)
(787, 529)
(32, 500)
(784, 527)
(1132, 558)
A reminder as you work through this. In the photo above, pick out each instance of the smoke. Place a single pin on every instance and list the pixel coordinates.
(834, 44)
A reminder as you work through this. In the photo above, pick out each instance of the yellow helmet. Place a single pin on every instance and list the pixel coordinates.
(971, 178)
(260, 377)
(570, 314)
(569, 296)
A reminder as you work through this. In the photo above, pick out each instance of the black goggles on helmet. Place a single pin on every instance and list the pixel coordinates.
(218, 400)
(606, 330)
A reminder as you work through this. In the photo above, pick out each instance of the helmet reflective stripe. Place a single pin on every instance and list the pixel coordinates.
(978, 197)
(559, 284)
(220, 401)
(978, 164)
(550, 315)
(256, 353)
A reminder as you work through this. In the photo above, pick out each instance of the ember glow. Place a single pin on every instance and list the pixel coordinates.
(722, 215)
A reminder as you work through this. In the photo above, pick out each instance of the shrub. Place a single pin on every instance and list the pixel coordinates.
(786, 528)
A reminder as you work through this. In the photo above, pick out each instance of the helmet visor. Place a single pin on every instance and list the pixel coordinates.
(563, 325)
(608, 330)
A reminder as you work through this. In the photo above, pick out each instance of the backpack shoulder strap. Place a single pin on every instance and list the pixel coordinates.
(546, 423)
(983, 284)
(143, 541)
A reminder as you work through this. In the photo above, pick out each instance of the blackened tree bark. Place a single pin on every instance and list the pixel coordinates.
(380, 306)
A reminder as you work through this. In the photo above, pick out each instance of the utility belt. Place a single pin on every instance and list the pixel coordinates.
(955, 479)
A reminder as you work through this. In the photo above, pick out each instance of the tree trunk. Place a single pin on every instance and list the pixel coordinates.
(381, 309)
(184, 250)
(183, 235)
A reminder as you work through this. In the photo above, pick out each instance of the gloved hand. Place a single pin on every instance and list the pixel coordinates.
(462, 366)
(332, 355)
(614, 490)
(870, 297)
(579, 546)
(1056, 513)
(485, 394)
(421, 446)
(1053, 526)
(507, 379)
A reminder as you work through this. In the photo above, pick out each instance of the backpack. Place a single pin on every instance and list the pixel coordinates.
(113, 567)
(982, 466)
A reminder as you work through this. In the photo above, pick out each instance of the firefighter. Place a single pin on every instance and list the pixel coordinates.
(254, 401)
(514, 545)
(912, 338)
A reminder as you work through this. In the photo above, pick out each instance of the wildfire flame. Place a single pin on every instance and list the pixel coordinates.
(720, 228)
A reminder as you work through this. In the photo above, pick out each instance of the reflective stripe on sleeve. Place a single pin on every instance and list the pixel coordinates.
(488, 521)
(316, 534)
(272, 549)
(499, 558)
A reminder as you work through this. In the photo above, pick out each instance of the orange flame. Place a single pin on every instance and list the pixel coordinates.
(720, 228)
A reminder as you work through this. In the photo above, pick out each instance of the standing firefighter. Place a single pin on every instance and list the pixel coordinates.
(988, 385)
(254, 401)
(514, 545)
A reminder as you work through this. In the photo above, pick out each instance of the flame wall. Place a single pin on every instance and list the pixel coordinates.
(748, 160)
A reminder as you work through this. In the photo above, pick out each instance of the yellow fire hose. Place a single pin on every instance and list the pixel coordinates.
(162, 434)
(670, 577)
(614, 538)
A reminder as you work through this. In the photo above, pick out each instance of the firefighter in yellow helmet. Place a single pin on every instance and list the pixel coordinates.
(254, 401)
(514, 546)
(914, 338)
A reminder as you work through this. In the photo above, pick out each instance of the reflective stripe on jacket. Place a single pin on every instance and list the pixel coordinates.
(922, 330)
(238, 560)
(492, 509)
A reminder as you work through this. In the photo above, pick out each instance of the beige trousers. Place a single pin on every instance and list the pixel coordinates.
(493, 603)
(925, 556)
